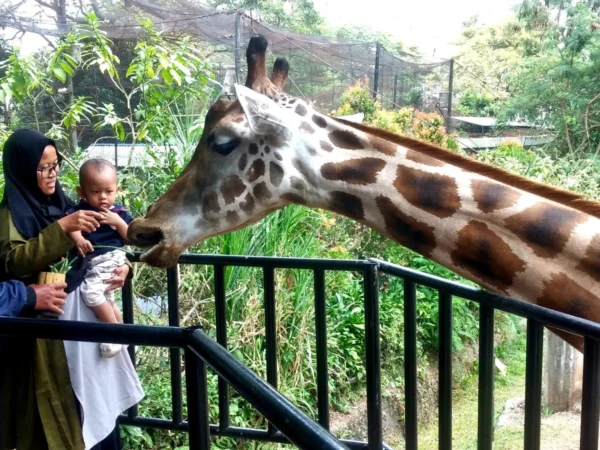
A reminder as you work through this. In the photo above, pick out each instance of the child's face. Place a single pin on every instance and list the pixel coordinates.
(100, 188)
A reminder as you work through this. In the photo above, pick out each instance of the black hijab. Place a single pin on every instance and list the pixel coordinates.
(31, 210)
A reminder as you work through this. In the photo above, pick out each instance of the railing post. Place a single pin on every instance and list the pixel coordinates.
(445, 371)
(533, 384)
(127, 300)
(410, 365)
(270, 329)
(590, 396)
(174, 353)
(197, 402)
(371, 292)
(321, 338)
(221, 319)
(485, 434)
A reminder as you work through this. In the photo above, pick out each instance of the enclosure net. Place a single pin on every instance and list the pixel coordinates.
(321, 68)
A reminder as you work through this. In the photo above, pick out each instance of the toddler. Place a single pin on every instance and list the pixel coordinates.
(97, 191)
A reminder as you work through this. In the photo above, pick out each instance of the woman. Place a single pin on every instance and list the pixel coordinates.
(37, 407)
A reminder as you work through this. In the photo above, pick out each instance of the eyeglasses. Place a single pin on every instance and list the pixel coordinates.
(46, 171)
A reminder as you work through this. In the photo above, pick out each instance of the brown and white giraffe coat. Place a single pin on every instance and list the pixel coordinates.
(267, 150)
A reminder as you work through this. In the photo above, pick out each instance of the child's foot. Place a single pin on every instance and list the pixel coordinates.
(110, 350)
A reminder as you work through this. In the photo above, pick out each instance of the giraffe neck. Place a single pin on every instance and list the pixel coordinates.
(509, 240)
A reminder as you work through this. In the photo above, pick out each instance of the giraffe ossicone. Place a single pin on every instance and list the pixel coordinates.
(267, 149)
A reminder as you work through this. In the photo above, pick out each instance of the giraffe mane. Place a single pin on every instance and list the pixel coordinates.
(558, 195)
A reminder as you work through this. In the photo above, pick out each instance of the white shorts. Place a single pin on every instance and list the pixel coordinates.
(93, 288)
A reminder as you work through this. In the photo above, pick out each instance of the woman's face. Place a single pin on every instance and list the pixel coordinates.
(47, 171)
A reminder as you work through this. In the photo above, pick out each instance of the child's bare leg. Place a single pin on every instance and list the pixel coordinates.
(106, 313)
(117, 313)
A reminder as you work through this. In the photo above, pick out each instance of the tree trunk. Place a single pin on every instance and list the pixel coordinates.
(563, 374)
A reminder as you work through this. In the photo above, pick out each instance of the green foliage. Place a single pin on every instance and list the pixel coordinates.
(557, 85)
(428, 127)
(476, 104)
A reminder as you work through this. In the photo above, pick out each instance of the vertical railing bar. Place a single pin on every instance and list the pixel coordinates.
(321, 338)
(174, 353)
(197, 400)
(127, 300)
(221, 319)
(372, 335)
(410, 365)
(270, 328)
(445, 371)
(533, 384)
(485, 428)
(590, 395)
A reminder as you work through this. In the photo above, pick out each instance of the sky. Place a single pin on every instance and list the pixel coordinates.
(431, 25)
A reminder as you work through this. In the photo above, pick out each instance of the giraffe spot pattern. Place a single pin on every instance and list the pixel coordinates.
(345, 139)
(482, 253)
(261, 142)
(326, 146)
(347, 204)
(232, 216)
(436, 194)
(253, 149)
(293, 198)
(292, 101)
(545, 228)
(305, 126)
(491, 196)
(278, 156)
(591, 263)
(243, 162)
(267, 149)
(421, 158)
(275, 174)
(312, 151)
(406, 230)
(306, 171)
(248, 204)
(563, 294)
(319, 121)
(382, 146)
(211, 203)
(232, 187)
(297, 183)
(361, 171)
(261, 191)
(301, 109)
(256, 170)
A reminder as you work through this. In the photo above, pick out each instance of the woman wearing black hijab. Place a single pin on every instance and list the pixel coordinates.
(37, 406)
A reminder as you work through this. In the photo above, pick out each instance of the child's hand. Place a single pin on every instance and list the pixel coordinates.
(84, 246)
(110, 218)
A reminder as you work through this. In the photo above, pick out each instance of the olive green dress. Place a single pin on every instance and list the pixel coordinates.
(37, 404)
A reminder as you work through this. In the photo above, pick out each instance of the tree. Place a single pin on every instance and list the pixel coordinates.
(558, 85)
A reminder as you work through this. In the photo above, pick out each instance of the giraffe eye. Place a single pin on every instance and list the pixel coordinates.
(226, 148)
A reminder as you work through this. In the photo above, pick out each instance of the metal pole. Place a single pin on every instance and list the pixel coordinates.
(395, 90)
(450, 88)
(116, 154)
(376, 72)
(238, 45)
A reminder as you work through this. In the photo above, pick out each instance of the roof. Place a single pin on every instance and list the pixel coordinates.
(490, 121)
(144, 155)
(493, 142)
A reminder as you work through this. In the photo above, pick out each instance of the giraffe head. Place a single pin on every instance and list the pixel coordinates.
(240, 170)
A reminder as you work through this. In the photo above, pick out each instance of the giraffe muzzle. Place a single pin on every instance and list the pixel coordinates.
(144, 236)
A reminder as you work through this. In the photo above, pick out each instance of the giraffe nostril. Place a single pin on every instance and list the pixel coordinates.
(147, 238)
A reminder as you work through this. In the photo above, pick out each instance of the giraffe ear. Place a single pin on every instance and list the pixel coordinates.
(265, 117)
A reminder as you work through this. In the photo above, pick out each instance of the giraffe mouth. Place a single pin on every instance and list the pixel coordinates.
(159, 251)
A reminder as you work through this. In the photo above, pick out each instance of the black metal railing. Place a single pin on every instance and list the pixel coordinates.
(286, 422)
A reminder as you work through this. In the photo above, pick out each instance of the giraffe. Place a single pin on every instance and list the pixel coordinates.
(267, 149)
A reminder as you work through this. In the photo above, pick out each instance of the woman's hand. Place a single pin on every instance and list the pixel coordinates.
(85, 221)
(118, 280)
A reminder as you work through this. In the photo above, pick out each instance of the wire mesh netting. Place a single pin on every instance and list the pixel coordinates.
(321, 67)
